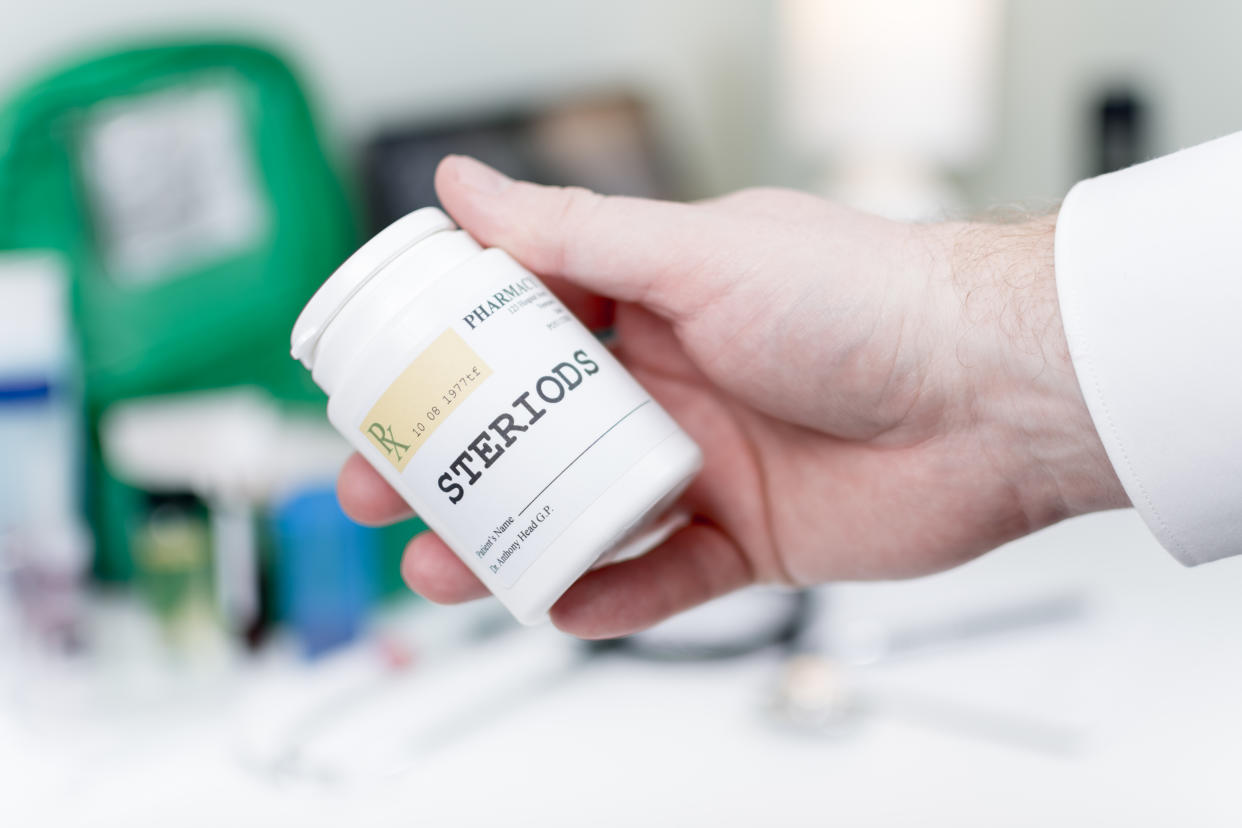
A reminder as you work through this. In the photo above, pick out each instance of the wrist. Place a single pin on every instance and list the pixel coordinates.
(1008, 352)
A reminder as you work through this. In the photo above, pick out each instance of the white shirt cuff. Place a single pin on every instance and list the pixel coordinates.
(1149, 275)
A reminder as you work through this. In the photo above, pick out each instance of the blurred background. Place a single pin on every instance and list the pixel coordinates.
(190, 630)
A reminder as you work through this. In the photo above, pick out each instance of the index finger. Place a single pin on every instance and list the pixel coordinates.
(629, 249)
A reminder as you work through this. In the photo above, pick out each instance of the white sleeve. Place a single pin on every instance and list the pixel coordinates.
(1149, 275)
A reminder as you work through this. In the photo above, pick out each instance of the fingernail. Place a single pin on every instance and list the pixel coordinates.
(477, 176)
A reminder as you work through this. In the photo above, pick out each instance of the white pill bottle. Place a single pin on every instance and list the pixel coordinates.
(506, 425)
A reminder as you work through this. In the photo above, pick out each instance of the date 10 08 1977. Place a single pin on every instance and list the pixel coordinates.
(449, 395)
(424, 423)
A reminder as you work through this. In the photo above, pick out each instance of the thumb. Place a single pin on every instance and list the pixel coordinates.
(629, 249)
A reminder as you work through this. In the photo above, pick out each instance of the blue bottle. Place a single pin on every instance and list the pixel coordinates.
(325, 571)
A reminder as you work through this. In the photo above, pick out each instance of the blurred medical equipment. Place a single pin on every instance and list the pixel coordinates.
(235, 449)
(730, 627)
(186, 188)
(364, 720)
(44, 546)
(824, 691)
(372, 717)
(602, 141)
(173, 549)
(326, 575)
(1121, 126)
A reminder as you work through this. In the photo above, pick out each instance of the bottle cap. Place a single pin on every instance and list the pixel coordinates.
(357, 270)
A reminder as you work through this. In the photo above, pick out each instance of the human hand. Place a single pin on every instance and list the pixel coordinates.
(873, 399)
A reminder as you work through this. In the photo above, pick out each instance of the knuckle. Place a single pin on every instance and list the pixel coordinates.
(578, 204)
(578, 207)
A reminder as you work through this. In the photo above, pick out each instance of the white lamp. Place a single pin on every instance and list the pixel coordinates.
(893, 92)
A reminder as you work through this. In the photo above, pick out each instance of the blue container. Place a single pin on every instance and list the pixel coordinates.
(325, 571)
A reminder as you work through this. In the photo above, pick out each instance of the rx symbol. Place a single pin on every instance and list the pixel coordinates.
(384, 437)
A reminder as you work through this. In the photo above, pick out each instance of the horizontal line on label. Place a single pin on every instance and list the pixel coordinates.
(624, 417)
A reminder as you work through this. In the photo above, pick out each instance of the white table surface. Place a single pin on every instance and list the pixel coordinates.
(1148, 683)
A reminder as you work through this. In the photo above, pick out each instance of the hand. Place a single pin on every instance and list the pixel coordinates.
(873, 399)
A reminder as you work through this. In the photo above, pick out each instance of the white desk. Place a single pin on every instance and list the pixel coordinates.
(1152, 676)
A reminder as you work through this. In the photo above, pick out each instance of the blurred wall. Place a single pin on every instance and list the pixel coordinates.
(1183, 55)
(704, 64)
(700, 62)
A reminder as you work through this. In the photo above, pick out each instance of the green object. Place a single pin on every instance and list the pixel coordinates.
(173, 551)
(188, 190)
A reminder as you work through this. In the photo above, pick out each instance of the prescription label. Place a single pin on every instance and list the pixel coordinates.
(423, 396)
(552, 422)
